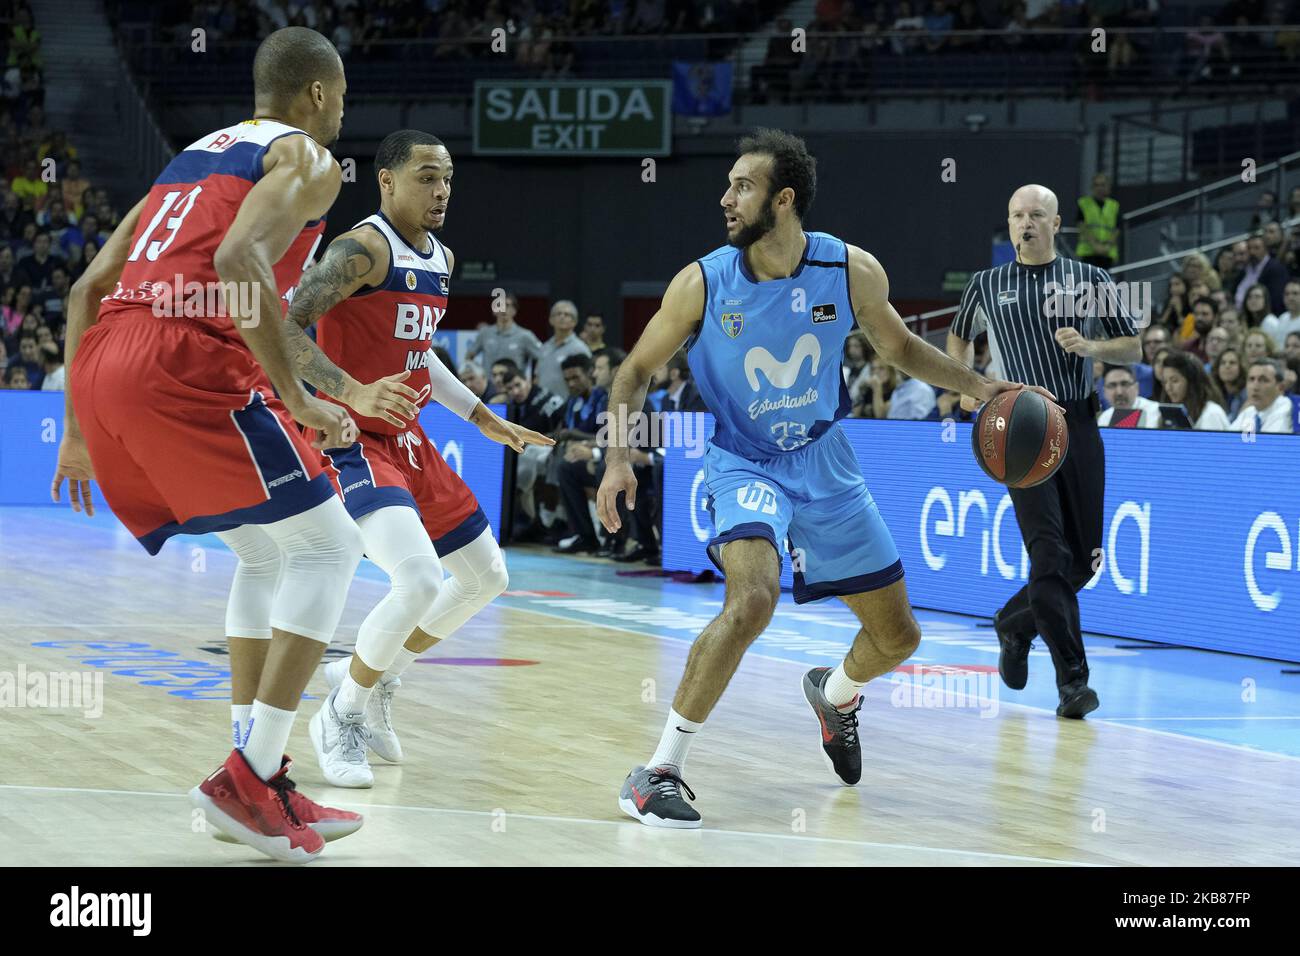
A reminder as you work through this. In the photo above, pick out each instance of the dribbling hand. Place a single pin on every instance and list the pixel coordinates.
(74, 465)
(386, 398)
(334, 426)
(618, 478)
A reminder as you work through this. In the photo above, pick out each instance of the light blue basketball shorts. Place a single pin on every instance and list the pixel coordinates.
(815, 502)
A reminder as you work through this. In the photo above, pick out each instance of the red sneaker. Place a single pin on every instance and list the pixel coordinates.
(330, 823)
(257, 813)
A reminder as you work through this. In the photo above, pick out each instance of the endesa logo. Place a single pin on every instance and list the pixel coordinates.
(999, 539)
(1270, 537)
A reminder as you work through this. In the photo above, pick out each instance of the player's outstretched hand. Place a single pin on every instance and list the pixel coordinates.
(514, 436)
(334, 426)
(385, 398)
(74, 465)
(618, 478)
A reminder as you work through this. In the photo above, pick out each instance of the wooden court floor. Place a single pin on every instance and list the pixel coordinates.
(511, 765)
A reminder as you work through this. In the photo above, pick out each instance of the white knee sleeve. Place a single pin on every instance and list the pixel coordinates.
(248, 610)
(395, 540)
(478, 575)
(321, 549)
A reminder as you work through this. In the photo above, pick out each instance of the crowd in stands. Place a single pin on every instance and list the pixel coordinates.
(560, 388)
(53, 220)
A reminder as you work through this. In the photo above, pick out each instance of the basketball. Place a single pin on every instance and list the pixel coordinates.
(1020, 438)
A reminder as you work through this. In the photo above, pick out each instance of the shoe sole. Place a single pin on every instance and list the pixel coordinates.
(277, 848)
(316, 731)
(328, 830)
(808, 688)
(1080, 708)
(628, 806)
(371, 743)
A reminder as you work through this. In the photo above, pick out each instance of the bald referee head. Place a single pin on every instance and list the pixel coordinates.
(1033, 220)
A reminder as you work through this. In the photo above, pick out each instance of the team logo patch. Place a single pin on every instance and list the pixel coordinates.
(733, 322)
(823, 313)
(410, 280)
(1007, 297)
(442, 284)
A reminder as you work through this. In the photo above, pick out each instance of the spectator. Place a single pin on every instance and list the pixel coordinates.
(1263, 269)
(1265, 210)
(30, 187)
(472, 377)
(1293, 203)
(682, 395)
(1216, 343)
(1266, 409)
(604, 364)
(57, 295)
(1202, 321)
(1127, 409)
(506, 339)
(938, 24)
(1227, 373)
(549, 373)
(907, 21)
(1152, 339)
(8, 274)
(593, 332)
(73, 189)
(1225, 264)
(772, 76)
(1207, 50)
(1255, 346)
(1291, 348)
(1240, 260)
(1177, 306)
(502, 370)
(1280, 326)
(1099, 225)
(910, 398)
(968, 18)
(532, 407)
(1256, 310)
(29, 359)
(1196, 268)
(16, 378)
(1230, 321)
(1157, 371)
(53, 368)
(582, 418)
(14, 217)
(37, 269)
(1275, 240)
(856, 365)
(1186, 384)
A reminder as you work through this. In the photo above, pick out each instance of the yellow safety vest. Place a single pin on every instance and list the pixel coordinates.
(1102, 222)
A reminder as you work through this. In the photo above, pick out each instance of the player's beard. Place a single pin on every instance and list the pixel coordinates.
(755, 231)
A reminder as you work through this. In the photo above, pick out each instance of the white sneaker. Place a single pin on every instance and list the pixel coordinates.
(340, 743)
(379, 711)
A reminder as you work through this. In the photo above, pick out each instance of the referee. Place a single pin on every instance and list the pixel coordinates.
(1037, 334)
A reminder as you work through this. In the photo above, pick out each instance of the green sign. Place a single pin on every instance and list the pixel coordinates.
(572, 117)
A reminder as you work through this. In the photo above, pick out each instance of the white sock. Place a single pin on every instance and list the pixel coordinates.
(335, 671)
(676, 740)
(268, 733)
(405, 657)
(239, 723)
(351, 697)
(840, 688)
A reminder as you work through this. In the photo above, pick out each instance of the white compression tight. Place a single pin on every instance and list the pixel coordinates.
(396, 540)
(478, 575)
(293, 574)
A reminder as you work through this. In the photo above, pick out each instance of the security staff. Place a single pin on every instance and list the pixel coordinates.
(1099, 225)
(1030, 308)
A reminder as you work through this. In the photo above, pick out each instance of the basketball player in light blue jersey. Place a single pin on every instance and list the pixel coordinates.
(764, 319)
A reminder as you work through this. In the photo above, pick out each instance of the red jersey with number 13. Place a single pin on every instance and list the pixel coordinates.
(187, 214)
(388, 328)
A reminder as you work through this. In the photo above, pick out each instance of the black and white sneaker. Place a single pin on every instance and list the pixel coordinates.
(839, 726)
(654, 796)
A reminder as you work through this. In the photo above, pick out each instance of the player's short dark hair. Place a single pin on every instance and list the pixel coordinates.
(290, 60)
(792, 164)
(577, 361)
(1126, 369)
(395, 150)
(1208, 301)
(615, 355)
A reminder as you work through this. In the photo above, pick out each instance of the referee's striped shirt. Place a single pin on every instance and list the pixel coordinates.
(1021, 307)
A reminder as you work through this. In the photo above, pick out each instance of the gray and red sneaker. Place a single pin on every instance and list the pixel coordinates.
(256, 812)
(654, 796)
(329, 822)
(839, 726)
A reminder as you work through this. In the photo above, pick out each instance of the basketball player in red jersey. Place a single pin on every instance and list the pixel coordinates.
(379, 293)
(171, 407)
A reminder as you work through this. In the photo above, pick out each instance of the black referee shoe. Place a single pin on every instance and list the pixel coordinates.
(1077, 699)
(1013, 656)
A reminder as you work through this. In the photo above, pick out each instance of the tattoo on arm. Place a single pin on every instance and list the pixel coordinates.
(311, 364)
(330, 281)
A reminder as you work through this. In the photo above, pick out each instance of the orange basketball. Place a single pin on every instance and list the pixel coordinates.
(1020, 438)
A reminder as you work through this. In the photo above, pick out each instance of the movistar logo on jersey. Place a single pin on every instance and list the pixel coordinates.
(782, 374)
(732, 323)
